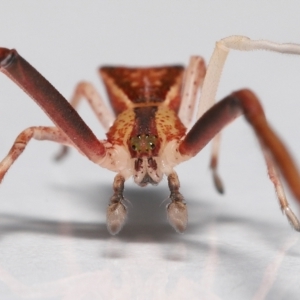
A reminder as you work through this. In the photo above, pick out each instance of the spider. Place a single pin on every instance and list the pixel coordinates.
(147, 135)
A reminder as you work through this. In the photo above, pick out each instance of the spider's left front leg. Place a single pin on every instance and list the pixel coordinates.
(278, 159)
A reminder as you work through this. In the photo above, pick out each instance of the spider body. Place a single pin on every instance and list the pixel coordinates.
(147, 132)
(146, 102)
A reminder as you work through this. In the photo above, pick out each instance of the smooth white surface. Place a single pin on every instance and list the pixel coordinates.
(53, 238)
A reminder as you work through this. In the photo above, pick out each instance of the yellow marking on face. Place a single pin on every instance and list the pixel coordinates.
(168, 125)
(120, 132)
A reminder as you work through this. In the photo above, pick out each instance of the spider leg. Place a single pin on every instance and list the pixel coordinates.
(276, 155)
(53, 103)
(218, 59)
(116, 213)
(275, 178)
(213, 75)
(192, 81)
(39, 133)
(176, 210)
(214, 163)
(85, 90)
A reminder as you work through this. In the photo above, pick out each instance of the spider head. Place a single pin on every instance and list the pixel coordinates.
(143, 149)
(143, 144)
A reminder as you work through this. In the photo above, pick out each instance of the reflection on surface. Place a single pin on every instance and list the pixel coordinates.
(222, 255)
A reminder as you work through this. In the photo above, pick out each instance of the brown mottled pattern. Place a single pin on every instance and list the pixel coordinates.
(127, 86)
(120, 132)
(169, 126)
(157, 121)
(146, 101)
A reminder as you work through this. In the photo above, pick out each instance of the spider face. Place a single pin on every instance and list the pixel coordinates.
(143, 144)
(145, 165)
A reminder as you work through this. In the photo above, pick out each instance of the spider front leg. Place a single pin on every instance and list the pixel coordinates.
(277, 158)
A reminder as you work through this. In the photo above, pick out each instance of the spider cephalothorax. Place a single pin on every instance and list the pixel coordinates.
(147, 124)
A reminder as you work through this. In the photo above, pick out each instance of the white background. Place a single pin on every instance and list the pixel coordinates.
(53, 238)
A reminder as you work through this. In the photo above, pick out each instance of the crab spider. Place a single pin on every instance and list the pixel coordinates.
(147, 134)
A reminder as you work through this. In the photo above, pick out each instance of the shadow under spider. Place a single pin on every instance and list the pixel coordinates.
(147, 220)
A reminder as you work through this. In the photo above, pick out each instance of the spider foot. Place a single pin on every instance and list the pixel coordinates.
(218, 182)
(1, 177)
(116, 216)
(116, 213)
(62, 153)
(292, 218)
(176, 210)
(177, 215)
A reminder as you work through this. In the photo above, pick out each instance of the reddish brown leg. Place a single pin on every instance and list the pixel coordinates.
(214, 163)
(276, 155)
(39, 133)
(85, 90)
(52, 102)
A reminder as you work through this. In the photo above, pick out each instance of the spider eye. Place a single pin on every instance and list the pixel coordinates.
(143, 142)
